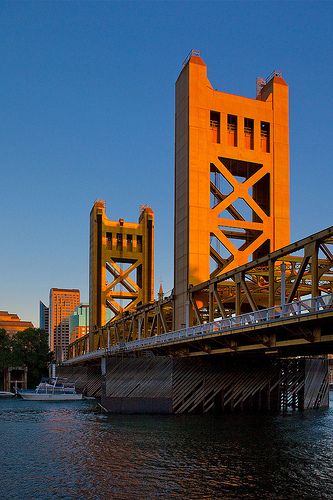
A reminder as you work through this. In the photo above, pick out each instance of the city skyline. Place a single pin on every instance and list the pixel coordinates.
(88, 100)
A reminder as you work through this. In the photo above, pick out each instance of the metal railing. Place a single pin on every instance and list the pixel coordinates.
(289, 311)
(214, 124)
(261, 82)
(193, 52)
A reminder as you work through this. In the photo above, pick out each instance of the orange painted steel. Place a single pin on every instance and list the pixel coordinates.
(121, 265)
(248, 289)
(231, 178)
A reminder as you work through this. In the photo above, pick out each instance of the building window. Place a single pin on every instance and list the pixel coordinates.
(129, 243)
(109, 241)
(215, 122)
(119, 241)
(265, 137)
(139, 243)
(232, 130)
(248, 133)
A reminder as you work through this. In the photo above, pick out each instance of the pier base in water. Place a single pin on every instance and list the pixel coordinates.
(182, 385)
(87, 378)
(166, 385)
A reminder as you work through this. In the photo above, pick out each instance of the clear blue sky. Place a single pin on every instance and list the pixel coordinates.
(87, 111)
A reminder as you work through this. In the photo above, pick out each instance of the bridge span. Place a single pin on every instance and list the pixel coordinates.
(288, 328)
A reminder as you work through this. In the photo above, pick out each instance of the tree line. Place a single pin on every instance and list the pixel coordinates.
(28, 348)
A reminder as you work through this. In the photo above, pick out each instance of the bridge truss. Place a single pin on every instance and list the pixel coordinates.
(302, 270)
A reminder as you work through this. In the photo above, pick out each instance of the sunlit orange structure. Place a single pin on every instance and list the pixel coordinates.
(121, 264)
(12, 323)
(231, 177)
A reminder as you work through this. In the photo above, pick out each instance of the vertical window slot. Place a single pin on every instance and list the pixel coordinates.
(119, 241)
(248, 133)
(232, 130)
(109, 241)
(215, 122)
(129, 243)
(139, 243)
(265, 137)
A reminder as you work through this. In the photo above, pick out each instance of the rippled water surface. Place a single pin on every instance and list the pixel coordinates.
(68, 450)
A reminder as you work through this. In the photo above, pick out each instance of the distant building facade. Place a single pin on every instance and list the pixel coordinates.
(12, 323)
(62, 304)
(43, 316)
(79, 322)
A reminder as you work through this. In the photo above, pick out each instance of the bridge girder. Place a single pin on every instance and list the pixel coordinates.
(259, 284)
(251, 287)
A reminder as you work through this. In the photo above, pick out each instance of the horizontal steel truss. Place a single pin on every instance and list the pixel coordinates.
(251, 287)
(259, 284)
(146, 321)
(295, 325)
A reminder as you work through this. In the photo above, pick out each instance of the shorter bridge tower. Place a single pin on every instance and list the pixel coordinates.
(121, 264)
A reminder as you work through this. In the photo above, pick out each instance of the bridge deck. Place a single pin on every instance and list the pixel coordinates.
(300, 323)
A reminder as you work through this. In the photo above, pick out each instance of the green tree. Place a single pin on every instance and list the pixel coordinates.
(30, 348)
(5, 349)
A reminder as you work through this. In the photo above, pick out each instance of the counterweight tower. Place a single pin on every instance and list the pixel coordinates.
(231, 177)
(121, 264)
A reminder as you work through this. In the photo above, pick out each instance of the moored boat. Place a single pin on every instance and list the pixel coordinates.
(7, 394)
(54, 389)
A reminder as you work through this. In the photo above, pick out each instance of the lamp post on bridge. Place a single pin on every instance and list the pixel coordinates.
(187, 315)
(283, 288)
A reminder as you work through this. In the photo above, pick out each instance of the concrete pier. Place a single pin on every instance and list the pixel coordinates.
(169, 385)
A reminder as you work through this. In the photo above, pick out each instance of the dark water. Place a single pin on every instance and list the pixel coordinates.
(67, 450)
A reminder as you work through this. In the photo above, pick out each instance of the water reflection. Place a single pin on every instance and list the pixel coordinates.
(70, 451)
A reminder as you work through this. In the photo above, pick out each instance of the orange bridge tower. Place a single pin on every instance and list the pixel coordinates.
(121, 264)
(231, 177)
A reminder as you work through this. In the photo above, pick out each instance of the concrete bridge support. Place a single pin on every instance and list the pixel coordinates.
(87, 378)
(168, 385)
(330, 365)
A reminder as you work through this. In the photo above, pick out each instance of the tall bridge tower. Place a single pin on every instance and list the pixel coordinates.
(121, 264)
(231, 177)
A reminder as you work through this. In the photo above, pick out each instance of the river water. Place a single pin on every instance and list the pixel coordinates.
(70, 451)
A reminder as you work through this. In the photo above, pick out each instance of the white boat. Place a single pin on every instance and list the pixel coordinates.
(54, 389)
(6, 394)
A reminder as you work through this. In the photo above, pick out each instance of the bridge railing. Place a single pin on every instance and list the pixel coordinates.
(288, 311)
(270, 315)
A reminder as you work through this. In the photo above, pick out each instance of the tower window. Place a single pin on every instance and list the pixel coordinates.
(119, 241)
(129, 243)
(109, 241)
(215, 122)
(232, 130)
(265, 137)
(139, 243)
(248, 133)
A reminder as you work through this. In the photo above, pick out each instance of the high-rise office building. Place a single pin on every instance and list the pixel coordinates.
(62, 304)
(43, 316)
(79, 322)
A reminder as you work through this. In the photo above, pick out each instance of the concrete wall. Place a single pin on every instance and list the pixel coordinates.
(165, 385)
(87, 379)
(138, 385)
